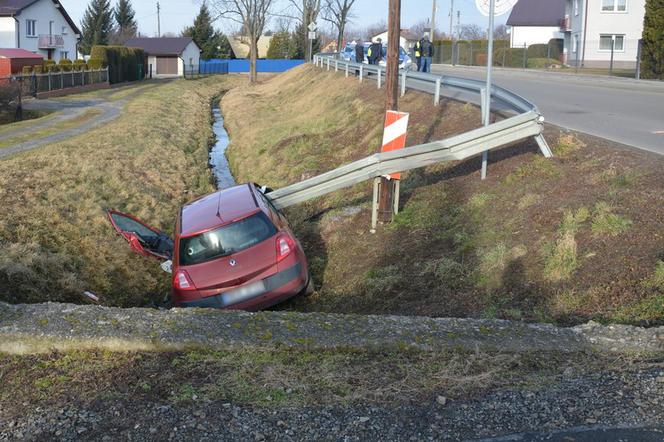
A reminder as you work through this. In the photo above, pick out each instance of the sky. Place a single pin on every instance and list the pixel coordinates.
(176, 14)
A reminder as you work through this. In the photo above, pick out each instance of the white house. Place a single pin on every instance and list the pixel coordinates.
(39, 26)
(168, 56)
(598, 30)
(536, 22)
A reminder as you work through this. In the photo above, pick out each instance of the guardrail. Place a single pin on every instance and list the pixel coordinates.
(527, 123)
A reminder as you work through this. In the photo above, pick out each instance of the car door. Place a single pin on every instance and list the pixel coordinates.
(142, 239)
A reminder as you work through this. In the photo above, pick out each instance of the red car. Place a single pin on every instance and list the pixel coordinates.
(232, 249)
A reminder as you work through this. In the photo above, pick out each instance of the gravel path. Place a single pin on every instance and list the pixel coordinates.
(592, 402)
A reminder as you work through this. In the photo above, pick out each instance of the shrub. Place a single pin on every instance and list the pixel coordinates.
(124, 63)
(27, 70)
(38, 69)
(53, 68)
(49, 63)
(652, 60)
(96, 63)
(65, 65)
(510, 57)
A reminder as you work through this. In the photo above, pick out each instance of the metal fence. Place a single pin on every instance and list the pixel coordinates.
(32, 84)
(527, 123)
(205, 69)
(607, 55)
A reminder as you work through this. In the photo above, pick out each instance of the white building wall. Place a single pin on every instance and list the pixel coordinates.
(190, 56)
(530, 35)
(45, 11)
(152, 61)
(7, 32)
(628, 23)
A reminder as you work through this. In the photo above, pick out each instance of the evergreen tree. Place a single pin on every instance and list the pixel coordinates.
(279, 45)
(213, 43)
(125, 18)
(97, 25)
(652, 50)
(299, 41)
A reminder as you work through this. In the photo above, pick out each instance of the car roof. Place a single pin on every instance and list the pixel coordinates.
(217, 208)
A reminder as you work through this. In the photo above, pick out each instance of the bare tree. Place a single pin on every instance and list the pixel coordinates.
(375, 29)
(252, 16)
(471, 32)
(337, 12)
(500, 33)
(306, 13)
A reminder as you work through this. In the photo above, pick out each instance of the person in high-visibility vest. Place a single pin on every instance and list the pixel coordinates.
(418, 54)
(375, 51)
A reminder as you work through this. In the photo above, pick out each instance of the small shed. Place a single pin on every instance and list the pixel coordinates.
(13, 60)
(168, 56)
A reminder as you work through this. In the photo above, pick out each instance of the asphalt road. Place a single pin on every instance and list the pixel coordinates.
(622, 110)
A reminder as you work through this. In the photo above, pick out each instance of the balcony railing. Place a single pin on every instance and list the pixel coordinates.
(49, 41)
(566, 24)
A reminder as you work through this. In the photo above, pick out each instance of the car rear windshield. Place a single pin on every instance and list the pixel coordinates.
(226, 240)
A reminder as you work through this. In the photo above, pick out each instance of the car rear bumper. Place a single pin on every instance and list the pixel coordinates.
(258, 295)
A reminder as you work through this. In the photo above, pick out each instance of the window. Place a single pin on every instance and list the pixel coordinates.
(576, 7)
(607, 41)
(64, 55)
(31, 28)
(575, 44)
(226, 240)
(614, 5)
(64, 30)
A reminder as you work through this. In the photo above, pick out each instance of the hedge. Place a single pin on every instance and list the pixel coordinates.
(65, 65)
(466, 52)
(124, 64)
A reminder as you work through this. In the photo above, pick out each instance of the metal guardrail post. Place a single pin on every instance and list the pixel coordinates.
(486, 116)
(336, 65)
(404, 78)
(361, 72)
(346, 70)
(380, 78)
(374, 206)
(436, 98)
(328, 64)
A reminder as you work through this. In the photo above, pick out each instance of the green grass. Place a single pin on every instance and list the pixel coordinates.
(561, 257)
(606, 223)
(30, 117)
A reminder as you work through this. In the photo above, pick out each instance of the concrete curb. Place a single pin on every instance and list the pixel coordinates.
(41, 328)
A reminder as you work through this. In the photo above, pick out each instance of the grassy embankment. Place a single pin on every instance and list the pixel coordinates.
(274, 378)
(54, 234)
(577, 237)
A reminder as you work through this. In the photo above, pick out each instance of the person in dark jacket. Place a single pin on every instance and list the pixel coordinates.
(359, 52)
(426, 53)
(375, 53)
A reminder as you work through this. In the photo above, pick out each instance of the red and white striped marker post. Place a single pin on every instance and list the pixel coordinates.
(394, 138)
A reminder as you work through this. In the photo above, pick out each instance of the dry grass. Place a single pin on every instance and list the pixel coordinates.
(54, 234)
(271, 378)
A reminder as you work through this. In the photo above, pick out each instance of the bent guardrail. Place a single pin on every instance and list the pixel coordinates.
(527, 123)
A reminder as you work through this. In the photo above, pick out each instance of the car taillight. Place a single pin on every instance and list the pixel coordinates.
(285, 246)
(182, 281)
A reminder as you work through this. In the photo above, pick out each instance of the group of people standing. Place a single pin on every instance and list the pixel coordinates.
(423, 53)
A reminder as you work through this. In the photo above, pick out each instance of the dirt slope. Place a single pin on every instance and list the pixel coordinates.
(577, 237)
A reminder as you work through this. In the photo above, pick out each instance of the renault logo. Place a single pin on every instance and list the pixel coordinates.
(232, 262)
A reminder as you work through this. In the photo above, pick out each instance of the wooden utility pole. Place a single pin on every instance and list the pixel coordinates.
(158, 20)
(386, 195)
(452, 20)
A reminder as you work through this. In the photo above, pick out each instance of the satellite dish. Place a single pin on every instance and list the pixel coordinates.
(502, 6)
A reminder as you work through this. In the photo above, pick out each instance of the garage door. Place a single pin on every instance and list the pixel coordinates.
(167, 65)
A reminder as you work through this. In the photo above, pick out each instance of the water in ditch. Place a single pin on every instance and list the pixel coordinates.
(218, 161)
